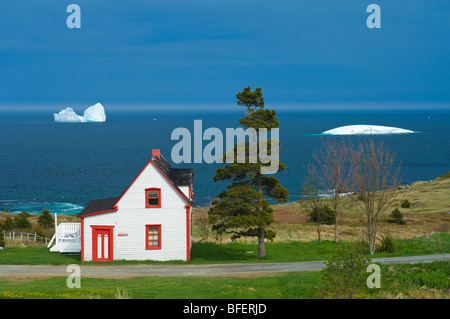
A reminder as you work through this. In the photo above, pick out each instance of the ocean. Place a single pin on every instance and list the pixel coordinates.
(63, 166)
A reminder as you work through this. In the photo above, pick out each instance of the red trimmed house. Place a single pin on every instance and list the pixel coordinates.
(152, 219)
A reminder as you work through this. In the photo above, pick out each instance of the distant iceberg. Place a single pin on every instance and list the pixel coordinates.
(366, 130)
(94, 113)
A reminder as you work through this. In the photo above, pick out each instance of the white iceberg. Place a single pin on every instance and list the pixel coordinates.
(68, 115)
(94, 113)
(366, 130)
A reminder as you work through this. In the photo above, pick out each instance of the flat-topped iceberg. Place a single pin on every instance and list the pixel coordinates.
(366, 130)
(94, 113)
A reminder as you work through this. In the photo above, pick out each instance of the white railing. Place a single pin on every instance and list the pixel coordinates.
(66, 231)
(68, 228)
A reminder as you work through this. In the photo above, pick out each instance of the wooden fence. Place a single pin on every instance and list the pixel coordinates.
(24, 237)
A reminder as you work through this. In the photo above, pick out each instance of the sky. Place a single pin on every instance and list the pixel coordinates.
(202, 52)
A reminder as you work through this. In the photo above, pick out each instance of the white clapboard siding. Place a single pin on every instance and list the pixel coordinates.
(132, 216)
(185, 190)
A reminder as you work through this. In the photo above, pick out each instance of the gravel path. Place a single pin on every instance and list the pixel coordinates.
(28, 272)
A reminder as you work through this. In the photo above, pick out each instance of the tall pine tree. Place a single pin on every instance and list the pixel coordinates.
(242, 209)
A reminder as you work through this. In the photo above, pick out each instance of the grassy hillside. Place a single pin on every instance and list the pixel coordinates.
(429, 212)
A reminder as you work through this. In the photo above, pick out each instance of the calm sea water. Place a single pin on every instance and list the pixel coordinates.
(63, 166)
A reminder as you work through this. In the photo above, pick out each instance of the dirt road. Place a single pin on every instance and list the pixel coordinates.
(28, 272)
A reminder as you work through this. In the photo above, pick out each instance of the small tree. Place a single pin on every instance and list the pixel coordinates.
(397, 217)
(46, 219)
(313, 202)
(323, 214)
(331, 172)
(21, 220)
(345, 272)
(8, 224)
(376, 179)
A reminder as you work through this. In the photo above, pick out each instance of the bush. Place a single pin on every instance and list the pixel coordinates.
(405, 204)
(326, 214)
(397, 217)
(387, 244)
(46, 219)
(345, 273)
(8, 224)
(21, 220)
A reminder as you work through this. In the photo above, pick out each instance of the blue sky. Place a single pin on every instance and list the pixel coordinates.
(202, 52)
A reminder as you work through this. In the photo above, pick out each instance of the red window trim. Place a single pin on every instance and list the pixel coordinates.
(159, 197)
(147, 247)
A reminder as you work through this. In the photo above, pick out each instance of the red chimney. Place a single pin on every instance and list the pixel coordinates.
(155, 153)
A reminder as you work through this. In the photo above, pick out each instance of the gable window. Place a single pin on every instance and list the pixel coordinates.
(153, 237)
(153, 198)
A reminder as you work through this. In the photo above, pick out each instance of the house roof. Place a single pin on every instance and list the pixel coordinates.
(176, 177)
(99, 205)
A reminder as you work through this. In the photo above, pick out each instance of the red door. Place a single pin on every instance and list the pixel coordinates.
(102, 248)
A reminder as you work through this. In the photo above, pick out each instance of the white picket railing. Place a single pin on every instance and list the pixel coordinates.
(67, 238)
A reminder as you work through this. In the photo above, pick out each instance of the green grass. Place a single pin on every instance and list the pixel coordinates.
(411, 281)
(240, 252)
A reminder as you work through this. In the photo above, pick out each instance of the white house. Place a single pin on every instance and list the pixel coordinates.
(151, 220)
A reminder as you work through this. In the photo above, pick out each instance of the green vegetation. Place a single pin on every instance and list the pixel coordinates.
(345, 273)
(397, 281)
(387, 244)
(240, 252)
(46, 219)
(242, 208)
(21, 220)
(396, 217)
(405, 204)
(326, 215)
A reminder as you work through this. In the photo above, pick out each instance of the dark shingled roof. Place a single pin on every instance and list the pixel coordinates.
(99, 205)
(177, 176)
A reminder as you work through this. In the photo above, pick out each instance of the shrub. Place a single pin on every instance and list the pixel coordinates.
(405, 204)
(326, 214)
(386, 244)
(46, 219)
(397, 217)
(21, 220)
(8, 224)
(345, 273)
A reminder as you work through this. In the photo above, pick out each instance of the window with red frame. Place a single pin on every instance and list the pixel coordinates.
(153, 198)
(153, 237)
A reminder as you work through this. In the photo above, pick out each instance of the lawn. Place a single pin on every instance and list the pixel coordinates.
(204, 253)
(398, 281)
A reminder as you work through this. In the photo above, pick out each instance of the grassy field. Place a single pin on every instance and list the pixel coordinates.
(429, 212)
(238, 252)
(398, 281)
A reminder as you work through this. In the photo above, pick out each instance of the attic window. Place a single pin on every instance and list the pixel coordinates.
(153, 198)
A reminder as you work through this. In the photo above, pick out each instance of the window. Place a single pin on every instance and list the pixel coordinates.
(153, 198)
(153, 237)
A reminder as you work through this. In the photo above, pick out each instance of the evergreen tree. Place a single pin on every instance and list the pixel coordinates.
(21, 220)
(46, 219)
(242, 208)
